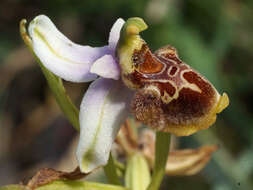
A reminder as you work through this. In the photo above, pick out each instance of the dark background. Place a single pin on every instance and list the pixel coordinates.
(214, 37)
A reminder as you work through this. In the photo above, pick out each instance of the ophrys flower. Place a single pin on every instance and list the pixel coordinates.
(104, 105)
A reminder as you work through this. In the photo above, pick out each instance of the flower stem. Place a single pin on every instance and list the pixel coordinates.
(162, 147)
(111, 172)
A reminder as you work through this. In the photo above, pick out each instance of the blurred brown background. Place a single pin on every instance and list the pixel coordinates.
(214, 37)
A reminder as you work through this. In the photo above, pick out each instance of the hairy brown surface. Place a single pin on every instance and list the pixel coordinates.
(147, 108)
(187, 109)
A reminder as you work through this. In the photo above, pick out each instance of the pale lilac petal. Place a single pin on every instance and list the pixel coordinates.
(103, 109)
(106, 67)
(115, 33)
(61, 56)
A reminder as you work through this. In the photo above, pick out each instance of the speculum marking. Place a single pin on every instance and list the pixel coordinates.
(145, 62)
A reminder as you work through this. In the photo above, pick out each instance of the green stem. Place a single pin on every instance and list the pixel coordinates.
(119, 166)
(162, 147)
(111, 172)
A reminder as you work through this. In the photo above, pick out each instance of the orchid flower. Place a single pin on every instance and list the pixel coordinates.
(170, 95)
(104, 105)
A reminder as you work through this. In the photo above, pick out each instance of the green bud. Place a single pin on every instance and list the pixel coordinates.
(137, 172)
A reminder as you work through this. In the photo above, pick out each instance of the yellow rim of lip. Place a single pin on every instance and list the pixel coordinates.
(203, 123)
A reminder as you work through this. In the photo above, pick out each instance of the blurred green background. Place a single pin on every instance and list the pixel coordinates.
(214, 37)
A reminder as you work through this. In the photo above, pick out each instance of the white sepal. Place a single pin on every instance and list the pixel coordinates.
(61, 56)
(103, 109)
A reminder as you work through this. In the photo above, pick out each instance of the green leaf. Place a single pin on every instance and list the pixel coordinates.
(67, 185)
(78, 185)
(13, 187)
(137, 172)
(55, 84)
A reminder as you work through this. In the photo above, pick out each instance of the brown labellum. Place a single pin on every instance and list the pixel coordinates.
(171, 96)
